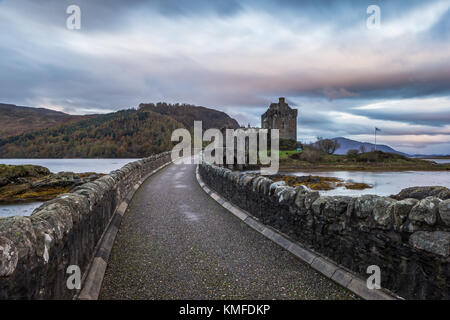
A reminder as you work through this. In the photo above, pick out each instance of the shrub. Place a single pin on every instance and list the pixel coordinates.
(327, 145)
(286, 144)
(310, 155)
(352, 153)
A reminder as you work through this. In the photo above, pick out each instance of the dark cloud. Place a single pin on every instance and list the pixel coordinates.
(422, 117)
(240, 66)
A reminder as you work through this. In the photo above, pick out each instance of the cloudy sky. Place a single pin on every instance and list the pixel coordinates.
(238, 56)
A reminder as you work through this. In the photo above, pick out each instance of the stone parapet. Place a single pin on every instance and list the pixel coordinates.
(36, 251)
(408, 239)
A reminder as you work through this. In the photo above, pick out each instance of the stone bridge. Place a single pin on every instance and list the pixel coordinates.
(150, 231)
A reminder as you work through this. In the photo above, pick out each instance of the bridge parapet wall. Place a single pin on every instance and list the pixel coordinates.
(408, 239)
(36, 251)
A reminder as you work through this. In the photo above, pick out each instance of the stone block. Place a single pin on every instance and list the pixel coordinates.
(437, 242)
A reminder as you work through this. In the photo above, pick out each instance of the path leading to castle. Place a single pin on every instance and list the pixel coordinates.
(175, 242)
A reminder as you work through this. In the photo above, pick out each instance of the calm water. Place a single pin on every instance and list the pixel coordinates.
(439, 160)
(23, 209)
(57, 165)
(73, 165)
(384, 183)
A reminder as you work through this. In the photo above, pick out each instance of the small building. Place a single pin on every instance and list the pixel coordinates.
(282, 117)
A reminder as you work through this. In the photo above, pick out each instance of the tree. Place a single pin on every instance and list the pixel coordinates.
(327, 145)
(286, 144)
(352, 153)
(362, 148)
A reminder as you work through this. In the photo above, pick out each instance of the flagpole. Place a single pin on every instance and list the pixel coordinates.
(375, 139)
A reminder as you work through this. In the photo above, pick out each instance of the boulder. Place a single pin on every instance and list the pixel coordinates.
(302, 191)
(421, 193)
(246, 179)
(383, 212)
(63, 179)
(402, 209)
(264, 186)
(444, 211)
(319, 204)
(275, 185)
(425, 211)
(9, 257)
(19, 230)
(336, 206)
(255, 183)
(310, 198)
(286, 194)
(409, 227)
(364, 205)
(351, 207)
(437, 242)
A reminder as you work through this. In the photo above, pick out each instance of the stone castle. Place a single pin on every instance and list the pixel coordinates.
(282, 117)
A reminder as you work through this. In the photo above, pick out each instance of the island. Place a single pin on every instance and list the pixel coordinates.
(314, 160)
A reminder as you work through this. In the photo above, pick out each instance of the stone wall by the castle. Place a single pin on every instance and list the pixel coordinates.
(36, 251)
(408, 239)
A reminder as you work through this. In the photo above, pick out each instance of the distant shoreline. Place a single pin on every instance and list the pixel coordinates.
(366, 162)
(434, 157)
(368, 169)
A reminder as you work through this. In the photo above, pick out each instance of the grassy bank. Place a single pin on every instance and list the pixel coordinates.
(312, 160)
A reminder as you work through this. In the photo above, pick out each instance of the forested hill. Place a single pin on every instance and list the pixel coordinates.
(15, 120)
(123, 134)
(186, 114)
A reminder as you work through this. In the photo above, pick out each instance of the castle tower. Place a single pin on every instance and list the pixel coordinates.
(282, 117)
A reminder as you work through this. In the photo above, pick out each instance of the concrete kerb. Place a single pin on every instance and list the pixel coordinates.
(93, 277)
(318, 262)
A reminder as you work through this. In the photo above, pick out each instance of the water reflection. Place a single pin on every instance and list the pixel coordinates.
(384, 183)
(439, 161)
(58, 165)
(73, 165)
(21, 209)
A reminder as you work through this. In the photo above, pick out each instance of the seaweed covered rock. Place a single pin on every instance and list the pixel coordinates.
(421, 193)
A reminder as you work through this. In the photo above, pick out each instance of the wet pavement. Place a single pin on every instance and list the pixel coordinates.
(175, 242)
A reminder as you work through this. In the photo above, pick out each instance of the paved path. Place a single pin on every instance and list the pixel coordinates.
(175, 242)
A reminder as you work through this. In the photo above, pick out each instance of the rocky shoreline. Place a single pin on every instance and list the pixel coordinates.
(319, 183)
(25, 183)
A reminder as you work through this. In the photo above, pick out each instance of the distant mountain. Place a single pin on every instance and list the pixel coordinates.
(186, 114)
(440, 155)
(348, 144)
(15, 120)
(122, 134)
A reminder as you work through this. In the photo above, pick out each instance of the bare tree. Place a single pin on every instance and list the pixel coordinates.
(327, 145)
